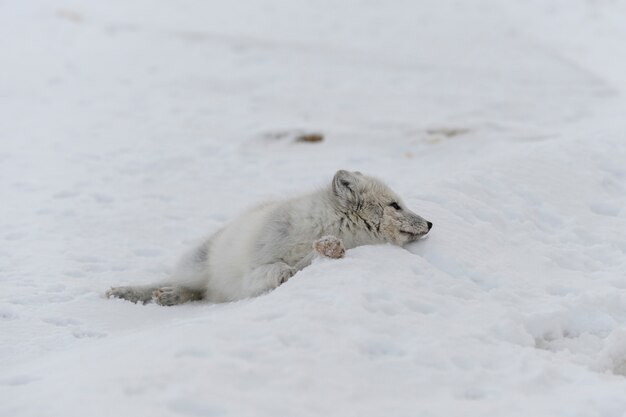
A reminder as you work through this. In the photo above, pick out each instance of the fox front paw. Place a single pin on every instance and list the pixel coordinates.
(329, 246)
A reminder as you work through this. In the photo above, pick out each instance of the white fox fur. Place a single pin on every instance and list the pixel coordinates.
(267, 245)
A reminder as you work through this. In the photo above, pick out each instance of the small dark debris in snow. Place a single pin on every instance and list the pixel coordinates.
(310, 137)
(70, 15)
(448, 132)
(295, 135)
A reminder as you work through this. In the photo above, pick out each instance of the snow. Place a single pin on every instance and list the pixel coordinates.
(131, 129)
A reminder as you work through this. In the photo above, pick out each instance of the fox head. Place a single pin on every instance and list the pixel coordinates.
(371, 203)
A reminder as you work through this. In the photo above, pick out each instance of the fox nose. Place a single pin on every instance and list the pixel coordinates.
(430, 225)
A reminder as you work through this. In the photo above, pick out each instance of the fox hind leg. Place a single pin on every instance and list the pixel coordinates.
(176, 294)
(135, 294)
(267, 277)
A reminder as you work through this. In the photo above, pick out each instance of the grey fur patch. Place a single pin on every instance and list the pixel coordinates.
(283, 227)
(202, 253)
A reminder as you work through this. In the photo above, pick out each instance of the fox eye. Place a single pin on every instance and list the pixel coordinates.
(395, 206)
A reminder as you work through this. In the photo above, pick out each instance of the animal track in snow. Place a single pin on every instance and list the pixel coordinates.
(18, 380)
(15, 236)
(605, 208)
(66, 194)
(148, 252)
(83, 334)
(61, 321)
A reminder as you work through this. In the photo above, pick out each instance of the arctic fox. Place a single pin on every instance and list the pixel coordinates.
(268, 244)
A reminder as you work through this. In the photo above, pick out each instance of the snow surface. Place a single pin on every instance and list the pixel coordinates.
(128, 129)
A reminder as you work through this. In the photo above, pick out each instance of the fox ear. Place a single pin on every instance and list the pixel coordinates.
(344, 185)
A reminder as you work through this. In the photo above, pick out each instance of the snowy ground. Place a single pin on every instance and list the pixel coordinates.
(128, 129)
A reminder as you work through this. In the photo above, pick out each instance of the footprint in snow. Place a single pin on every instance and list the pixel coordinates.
(7, 314)
(18, 380)
(66, 194)
(605, 209)
(15, 236)
(147, 252)
(60, 321)
(88, 334)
